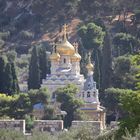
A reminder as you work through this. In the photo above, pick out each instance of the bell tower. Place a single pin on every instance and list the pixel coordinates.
(89, 95)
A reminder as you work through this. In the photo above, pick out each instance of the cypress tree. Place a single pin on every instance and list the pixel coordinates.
(15, 85)
(34, 71)
(2, 69)
(42, 62)
(8, 79)
(106, 63)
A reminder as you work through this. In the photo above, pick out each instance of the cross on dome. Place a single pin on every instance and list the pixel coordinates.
(89, 65)
(65, 31)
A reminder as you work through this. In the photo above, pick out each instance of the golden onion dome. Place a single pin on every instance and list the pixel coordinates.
(75, 58)
(55, 56)
(90, 66)
(65, 48)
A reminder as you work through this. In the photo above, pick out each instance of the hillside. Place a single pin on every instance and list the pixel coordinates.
(27, 21)
(24, 22)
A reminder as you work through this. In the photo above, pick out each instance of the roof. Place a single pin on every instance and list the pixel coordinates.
(38, 106)
(89, 83)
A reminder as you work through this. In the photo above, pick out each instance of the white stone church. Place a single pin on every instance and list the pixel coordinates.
(65, 69)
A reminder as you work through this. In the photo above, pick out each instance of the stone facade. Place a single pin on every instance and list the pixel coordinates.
(95, 125)
(18, 125)
(48, 125)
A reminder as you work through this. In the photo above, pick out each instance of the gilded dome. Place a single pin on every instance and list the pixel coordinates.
(55, 56)
(89, 66)
(75, 57)
(65, 48)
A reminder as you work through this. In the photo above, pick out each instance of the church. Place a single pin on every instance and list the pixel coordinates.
(65, 69)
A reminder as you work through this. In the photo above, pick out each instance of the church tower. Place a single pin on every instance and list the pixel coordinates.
(89, 94)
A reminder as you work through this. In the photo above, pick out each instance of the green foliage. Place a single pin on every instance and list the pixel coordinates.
(92, 36)
(80, 133)
(106, 65)
(38, 67)
(69, 103)
(2, 72)
(125, 43)
(29, 120)
(111, 98)
(124, 72)
(39, 96)
(8, 77)
(131, 103)
(49, 113)
(34, 71)
(11, 135)
(18, 105)
(42, 61)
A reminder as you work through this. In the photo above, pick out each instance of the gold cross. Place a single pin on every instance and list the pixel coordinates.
(89, 57)
(65, 31)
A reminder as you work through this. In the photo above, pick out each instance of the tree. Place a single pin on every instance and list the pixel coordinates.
(8, 80)
(130, 102)
(92, 37)
(39, 96)
(18, 105)
(111, 102)
(106, 68)
(42, 62)
(15, 85)
(34, 71)
(8, 77)
(21, 106)
(124, 75)
(125, 44)
(69, 103)
(2, 73)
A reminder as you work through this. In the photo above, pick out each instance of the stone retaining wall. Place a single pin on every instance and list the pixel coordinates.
(96, 125)
(18, 125)
(48, 125)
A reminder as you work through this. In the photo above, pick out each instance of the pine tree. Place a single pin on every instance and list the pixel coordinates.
(34, 71)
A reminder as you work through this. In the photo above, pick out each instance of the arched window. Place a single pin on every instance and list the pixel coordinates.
(88, 94)
(88, 85)
(64, 60)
